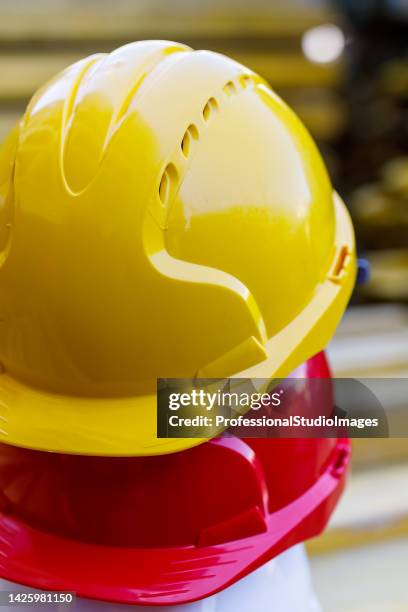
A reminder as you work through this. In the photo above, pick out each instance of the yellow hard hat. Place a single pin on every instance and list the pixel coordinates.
(163, 214)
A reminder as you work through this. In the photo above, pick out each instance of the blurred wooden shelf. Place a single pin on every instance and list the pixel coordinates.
(368, 579)
(324, 115)
(366, 319)
(47, 20)
(22, 74)
(374, 509)
(371, 452)
(371, 342)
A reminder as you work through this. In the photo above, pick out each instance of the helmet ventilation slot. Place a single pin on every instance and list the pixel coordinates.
(209, 108)
(167, 184)
(230, 88)
(190, 134)
(245, 80)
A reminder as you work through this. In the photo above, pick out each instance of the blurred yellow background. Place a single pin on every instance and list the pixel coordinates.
(343, 66)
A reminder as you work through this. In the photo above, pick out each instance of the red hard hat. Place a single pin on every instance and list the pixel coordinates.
(166, 529)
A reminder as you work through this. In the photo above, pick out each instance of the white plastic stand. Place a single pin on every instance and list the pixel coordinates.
(281, 585)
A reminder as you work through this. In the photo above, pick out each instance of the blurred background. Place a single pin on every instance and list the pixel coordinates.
(343, 66)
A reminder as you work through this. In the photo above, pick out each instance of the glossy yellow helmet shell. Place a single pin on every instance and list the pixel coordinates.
(163, 214)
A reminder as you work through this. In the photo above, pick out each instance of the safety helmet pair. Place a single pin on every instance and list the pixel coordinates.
(163, 214)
